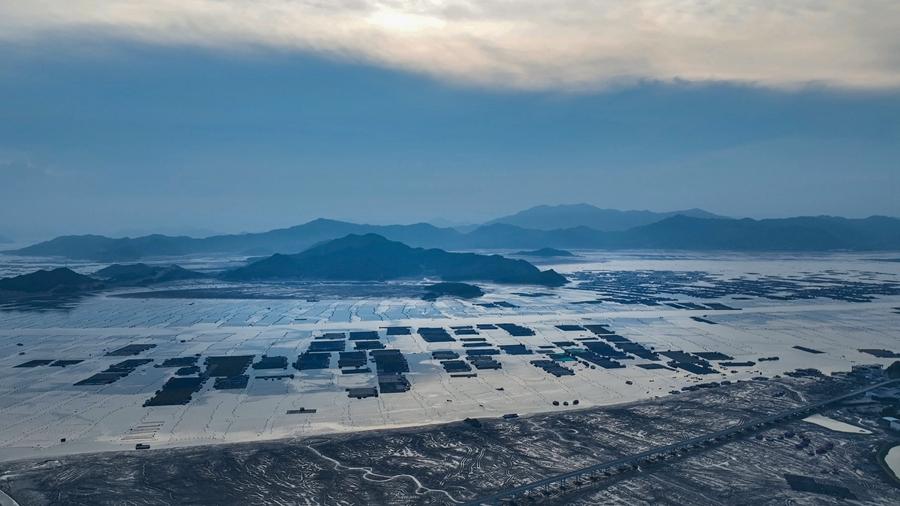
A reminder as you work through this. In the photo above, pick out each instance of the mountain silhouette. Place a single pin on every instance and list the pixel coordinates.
(371, 257)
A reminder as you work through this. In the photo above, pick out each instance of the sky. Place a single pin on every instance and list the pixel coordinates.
(201, 116)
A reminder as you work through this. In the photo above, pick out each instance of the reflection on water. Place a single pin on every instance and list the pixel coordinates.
(43, 303)
(301, 291)
(291, 290)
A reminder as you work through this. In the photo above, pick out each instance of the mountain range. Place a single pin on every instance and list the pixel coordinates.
(285, 240)
(816, 233)
(585, 215)
(367, 257)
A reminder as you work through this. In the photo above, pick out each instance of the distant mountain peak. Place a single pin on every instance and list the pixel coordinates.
(323, 221)
(357, 241)
(565, 216)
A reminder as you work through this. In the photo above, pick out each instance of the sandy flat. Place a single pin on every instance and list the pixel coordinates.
(835, 425)
(892, 459)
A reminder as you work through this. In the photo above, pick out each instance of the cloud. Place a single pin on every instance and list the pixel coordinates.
(530, 44)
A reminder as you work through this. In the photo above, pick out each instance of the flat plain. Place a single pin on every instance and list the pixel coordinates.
(616, 362)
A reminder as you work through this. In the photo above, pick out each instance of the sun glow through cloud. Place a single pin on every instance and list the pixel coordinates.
(396, 21)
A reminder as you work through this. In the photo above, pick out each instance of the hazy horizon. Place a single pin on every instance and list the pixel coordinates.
(201, 232)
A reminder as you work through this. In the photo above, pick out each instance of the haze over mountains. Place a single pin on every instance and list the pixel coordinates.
(586, 215)
(702, 231)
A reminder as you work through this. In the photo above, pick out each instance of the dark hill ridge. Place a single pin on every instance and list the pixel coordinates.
(60, 280)
(818, 233)
(585, 215)
(461, 290)
(372, 257)
(66, 281)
